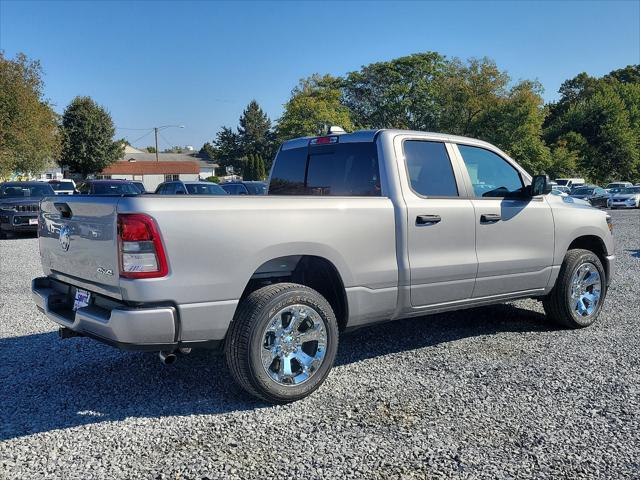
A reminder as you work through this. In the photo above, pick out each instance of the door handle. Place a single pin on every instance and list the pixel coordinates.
(427, 219)
(490, 218)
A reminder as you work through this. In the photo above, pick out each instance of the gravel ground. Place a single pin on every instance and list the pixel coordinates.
(494, 392)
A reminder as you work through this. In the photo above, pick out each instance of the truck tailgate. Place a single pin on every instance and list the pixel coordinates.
(78, 241)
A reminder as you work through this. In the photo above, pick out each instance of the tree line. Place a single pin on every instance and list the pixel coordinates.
(592, 130)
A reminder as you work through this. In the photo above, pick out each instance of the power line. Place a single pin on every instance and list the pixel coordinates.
(140, 138)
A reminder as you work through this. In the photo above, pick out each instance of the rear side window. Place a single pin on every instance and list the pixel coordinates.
(430, 170)
(349, 169)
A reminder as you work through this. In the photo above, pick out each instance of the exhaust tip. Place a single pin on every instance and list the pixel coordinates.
(167, 358)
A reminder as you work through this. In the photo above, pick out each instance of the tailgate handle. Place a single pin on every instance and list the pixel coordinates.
(64, 209)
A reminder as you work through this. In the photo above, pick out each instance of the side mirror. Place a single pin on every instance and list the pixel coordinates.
(540, 185)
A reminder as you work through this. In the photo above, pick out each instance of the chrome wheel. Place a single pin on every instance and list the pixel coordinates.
(586, 288)
(294, 344)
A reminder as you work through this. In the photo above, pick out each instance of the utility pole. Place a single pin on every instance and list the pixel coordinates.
(155, 129)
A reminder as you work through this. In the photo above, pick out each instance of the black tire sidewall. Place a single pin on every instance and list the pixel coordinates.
(261, 380)
(586, 257)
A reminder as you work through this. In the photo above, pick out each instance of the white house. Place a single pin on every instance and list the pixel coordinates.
(152, 174)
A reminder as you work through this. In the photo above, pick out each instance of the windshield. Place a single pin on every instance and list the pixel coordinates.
(630, 190)
(204, 189)
(256, 188)
(18, 190)
(582, 191)
(114, 189)
(562, 182)
(62, 186)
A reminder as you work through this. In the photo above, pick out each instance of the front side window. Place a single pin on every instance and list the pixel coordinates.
(429, 168)
(491, 175)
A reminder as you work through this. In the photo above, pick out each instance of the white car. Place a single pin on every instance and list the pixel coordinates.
(626, 198)
(63, 187)
(619, 185)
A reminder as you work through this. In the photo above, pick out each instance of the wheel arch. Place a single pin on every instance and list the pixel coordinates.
(313, 271)
(594, 244)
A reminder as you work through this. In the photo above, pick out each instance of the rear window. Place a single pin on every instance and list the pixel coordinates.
(24, 190)
(114, 189)
(57, 186)
(204, 189)
(348, 169)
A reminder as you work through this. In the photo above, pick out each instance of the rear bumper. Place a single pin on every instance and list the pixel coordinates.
(146, 328)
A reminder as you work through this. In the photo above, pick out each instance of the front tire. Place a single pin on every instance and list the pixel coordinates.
(579, 292)
(282, 342)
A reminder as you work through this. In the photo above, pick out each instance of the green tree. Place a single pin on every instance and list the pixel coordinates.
(254, 130)
(29, 137)
(513, 122)
(400, 93)
(207, 151)
(602, 118)
(227, 150)
(150, 149)
(261, 168)
(87, 137)
(249, 167)
(314, 105)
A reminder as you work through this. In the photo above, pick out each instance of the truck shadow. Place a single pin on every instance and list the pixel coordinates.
(51, 384)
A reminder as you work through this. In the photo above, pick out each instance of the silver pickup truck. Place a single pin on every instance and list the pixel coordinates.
(356, 228)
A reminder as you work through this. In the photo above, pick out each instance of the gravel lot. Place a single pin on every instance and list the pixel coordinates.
(494, 392)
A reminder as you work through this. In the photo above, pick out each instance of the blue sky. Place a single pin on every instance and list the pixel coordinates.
(199, 63)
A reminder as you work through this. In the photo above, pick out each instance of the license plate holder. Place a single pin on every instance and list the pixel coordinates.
(33, 221)
(81, 298)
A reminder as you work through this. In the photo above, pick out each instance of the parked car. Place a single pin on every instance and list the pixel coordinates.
(619, 185)
(626, 198)
(568, 199)
(19, 206)
(596, 196)
(245, 188)
(356, 228)
(570, 182)
(107, 187)
(189, 188)
(140, 186)
(63, 187)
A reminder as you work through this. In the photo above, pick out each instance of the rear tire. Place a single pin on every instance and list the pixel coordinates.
(282, 342)
(579, 292)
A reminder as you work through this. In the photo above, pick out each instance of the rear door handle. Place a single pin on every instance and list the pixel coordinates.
(427, 219)
(490, 218)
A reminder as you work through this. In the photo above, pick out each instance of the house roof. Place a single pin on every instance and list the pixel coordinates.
(167, 157)
(150, 168)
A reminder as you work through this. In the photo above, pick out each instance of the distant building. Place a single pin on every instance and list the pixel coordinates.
(140, 165)
(151, 174)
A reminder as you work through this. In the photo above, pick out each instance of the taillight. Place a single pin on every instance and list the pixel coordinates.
(141, 251)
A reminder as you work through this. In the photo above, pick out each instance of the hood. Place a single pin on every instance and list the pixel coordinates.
(624, 196)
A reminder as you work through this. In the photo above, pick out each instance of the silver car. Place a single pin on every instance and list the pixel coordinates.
(626, 198)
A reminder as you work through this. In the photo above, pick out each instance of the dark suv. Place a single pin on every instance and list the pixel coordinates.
(108, 187)
(20, 204)
(245, 188)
